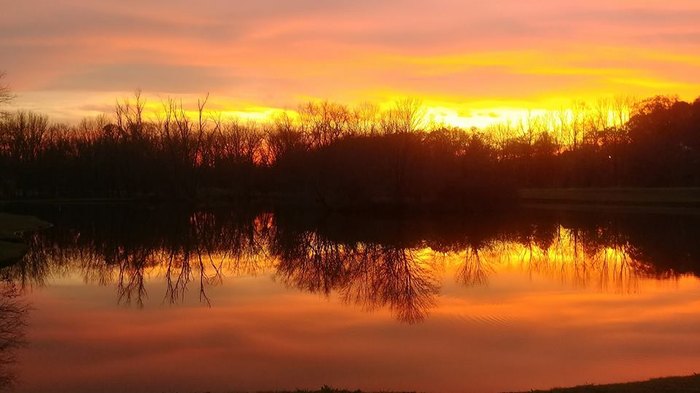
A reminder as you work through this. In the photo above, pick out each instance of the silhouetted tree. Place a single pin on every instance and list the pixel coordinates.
(344, 157)
(6, 95)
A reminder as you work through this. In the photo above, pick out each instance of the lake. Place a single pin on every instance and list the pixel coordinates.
(115, 299)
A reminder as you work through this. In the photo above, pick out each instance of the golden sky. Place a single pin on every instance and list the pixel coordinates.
(472, 62)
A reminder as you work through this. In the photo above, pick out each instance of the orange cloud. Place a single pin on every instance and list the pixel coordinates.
(459, 56)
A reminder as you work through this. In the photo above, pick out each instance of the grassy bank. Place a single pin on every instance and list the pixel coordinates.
(11, 227)
(671, 384)
(629, 198)
(689, 384)
(328, 389)
(675, 197)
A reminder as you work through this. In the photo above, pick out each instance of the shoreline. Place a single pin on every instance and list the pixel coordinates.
(681, 200)
(684, 384)
(624, 196)
(12, 226)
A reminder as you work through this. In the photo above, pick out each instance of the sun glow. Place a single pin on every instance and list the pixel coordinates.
(471, 69)
(550, 115)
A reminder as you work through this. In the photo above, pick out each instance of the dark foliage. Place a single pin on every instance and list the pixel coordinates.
(343, 158)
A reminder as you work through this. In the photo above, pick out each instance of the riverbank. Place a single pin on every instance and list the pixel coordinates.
(688, 384)
(11, 228)
(649, 197)
(327, 389)
(670, 384)
(607, 197)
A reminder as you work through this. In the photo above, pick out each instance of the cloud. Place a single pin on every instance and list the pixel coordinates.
(272, 52)
(149, 77)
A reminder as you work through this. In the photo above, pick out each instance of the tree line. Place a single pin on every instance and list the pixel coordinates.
(341, 156)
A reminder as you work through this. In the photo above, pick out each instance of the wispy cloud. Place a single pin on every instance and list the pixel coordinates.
(274, 53)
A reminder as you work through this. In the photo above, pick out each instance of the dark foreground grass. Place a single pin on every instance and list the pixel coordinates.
(689, 384)
(327, 389)
(671, 384)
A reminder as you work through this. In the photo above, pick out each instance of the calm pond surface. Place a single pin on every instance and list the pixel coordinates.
(115, 299)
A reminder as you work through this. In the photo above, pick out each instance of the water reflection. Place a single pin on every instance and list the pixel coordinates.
(13, 318)
(569, 255)
(395, 264)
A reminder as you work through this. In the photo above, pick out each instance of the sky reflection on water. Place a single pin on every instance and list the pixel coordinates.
(213, 301)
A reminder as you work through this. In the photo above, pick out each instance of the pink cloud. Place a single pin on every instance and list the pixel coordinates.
(273, 52)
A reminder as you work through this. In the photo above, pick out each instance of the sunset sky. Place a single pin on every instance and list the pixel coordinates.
(472, 62)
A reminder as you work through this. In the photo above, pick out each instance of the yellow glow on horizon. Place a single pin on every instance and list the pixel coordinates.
(480, 115)
(476, 88)
(439, 110)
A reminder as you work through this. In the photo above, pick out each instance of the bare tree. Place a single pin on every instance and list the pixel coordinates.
(24, 134)
(366, 118)
(129, 117)
(6, 95)
(407, 115)
(325, 122)
(622, 108)
(579, 115)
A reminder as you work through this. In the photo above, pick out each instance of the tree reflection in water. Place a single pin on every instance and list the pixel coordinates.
(369, 275)
(13, 319)
(395, 264)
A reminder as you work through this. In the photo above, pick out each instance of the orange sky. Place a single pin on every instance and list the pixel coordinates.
(259, 334)
(472, 62)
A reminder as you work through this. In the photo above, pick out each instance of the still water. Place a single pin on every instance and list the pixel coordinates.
(166, 300)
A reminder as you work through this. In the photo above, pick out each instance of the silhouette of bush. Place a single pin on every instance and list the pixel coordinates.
(342, 157)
